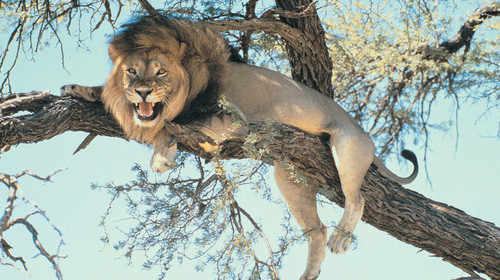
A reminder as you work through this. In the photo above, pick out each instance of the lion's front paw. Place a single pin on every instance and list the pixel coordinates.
(88, 93)
(71, 90)
(161, 164)
(309, 276)
(340, 241)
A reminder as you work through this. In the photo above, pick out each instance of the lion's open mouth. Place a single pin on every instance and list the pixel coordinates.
(147, 111)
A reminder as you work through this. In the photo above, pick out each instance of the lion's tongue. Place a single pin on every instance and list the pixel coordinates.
(146, 109)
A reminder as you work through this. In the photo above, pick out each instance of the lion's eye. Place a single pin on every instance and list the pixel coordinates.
(132, 71)
(161, 72)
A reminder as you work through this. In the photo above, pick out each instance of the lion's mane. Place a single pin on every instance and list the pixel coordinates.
(205, 59)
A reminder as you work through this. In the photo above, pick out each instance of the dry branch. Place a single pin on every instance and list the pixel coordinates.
(447, 232)
(466, 32)
(6, 222)
(57, 114)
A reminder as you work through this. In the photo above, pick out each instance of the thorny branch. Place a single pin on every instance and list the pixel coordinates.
(7, 221)
(191, 210)
(393, 103)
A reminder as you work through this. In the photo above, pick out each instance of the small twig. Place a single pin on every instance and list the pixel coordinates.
(45, 179)
(6, 247)
(263, 235)
(39, 246)
(85, 142)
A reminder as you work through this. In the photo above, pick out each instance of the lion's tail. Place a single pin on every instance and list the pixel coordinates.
(409, 155)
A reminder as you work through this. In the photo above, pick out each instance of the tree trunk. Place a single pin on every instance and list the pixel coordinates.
(311, 66)
(462, 240)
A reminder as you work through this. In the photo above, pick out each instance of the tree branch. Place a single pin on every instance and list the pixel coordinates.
(462, 240)
(149, 8)
(465, 34)
(315, 66)
(295, 36)
(68, 115)
(6, 222)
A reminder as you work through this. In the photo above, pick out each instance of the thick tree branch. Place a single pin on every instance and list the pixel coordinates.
(57, 114)
(306, 45)
(465, 34)
(467, 242)
(296, 37)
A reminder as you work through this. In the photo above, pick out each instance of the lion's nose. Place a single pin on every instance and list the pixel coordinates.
(143, 92)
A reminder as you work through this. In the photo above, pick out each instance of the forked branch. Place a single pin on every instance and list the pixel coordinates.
(7, 221)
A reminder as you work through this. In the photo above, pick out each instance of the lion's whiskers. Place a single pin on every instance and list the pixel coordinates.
(168, 105)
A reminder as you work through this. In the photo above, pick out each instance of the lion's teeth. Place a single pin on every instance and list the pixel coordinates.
(154, 103)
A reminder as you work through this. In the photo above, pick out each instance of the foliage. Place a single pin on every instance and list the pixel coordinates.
(198, 217)
(389, 69)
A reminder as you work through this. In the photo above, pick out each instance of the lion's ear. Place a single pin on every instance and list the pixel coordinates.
(182, 50)
(113, 53)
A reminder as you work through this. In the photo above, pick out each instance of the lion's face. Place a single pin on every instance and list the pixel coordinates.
(154, 86)
(144, 89)
(158, 70)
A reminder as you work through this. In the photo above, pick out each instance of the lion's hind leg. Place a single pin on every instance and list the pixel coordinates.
(88, 93)
(353, 155)
(301, 201)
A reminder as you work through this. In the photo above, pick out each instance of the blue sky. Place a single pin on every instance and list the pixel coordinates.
(464, 173)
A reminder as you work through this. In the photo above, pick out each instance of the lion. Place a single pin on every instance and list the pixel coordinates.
(176, 70)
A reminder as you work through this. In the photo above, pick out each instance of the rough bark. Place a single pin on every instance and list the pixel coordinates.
(52, 115)
(445, 231)
(311, 66)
